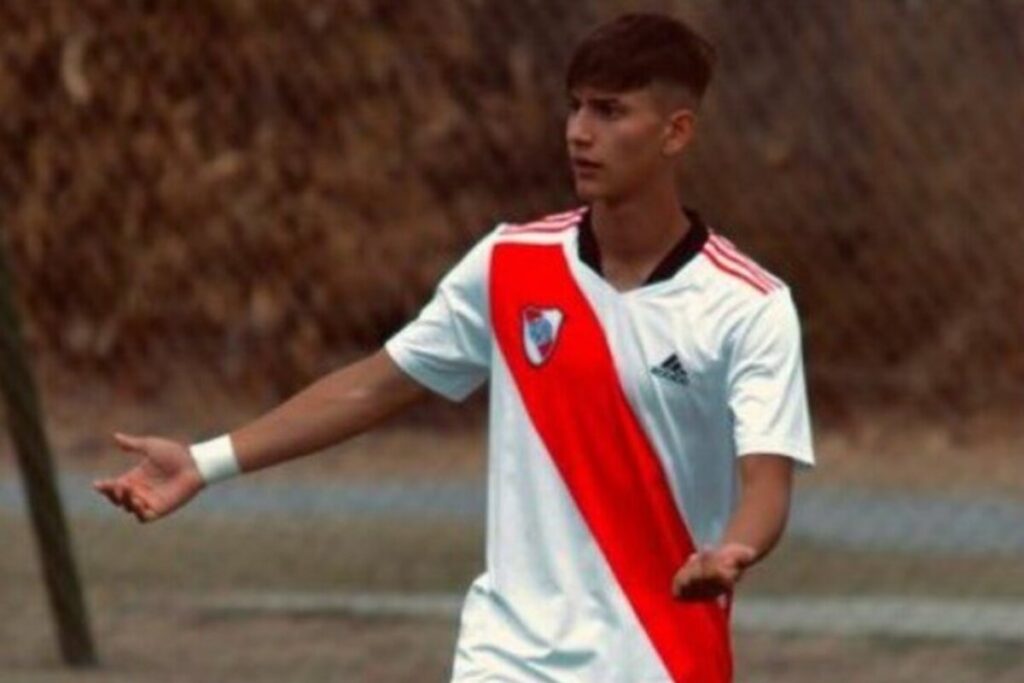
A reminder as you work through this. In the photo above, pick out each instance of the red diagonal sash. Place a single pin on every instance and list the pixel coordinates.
(577, 405)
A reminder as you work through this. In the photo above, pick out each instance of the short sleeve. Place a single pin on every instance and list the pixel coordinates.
(447, 347)
(766, 385)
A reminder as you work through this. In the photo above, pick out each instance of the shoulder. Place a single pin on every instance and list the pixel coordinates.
(553, 228)
(549, 228)
(729, 272)
(741, 294)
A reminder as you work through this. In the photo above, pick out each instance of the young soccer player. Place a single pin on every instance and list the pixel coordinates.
(647, 399)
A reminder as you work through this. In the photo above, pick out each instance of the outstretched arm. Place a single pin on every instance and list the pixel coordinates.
(336, 407)
(754, 529)
(332, 409)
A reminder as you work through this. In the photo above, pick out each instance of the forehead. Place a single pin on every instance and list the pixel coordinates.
(590, 92)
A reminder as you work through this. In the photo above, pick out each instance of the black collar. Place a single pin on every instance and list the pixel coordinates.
(682, 253)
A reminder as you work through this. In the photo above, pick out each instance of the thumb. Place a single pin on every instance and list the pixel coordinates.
(687, 574)
(744, 554)
(706, 557)
(738, 556)
(130, 444)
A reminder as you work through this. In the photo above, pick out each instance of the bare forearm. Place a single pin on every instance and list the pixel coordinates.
(332, 409)
(753, 529)
(760, 518)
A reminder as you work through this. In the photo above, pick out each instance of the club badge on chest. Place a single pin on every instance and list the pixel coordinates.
(541, 327)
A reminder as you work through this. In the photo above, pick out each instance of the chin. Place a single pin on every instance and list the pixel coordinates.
(592, 195)
(588, 192)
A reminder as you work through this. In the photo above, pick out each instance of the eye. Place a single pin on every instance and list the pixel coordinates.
(609, 109)
(573, 105)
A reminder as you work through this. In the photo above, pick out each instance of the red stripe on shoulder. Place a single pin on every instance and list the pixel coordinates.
(572, 213)
(549, 224)
(722, 264)
(535, 229)
(730, 249)
(737, 264)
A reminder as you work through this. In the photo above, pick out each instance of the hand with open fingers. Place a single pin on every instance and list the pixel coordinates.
(710, 572)
(164, 479)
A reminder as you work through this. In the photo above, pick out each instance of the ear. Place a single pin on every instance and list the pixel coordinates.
(678, 131)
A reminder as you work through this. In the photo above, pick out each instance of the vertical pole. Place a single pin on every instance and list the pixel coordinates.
(37, 473)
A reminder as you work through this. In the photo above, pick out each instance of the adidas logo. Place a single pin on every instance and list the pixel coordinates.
(672, 370)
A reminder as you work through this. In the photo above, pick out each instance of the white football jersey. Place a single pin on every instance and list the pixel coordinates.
(615, 422)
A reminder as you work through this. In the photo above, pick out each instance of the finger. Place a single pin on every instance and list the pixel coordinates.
(102, 485)
(726, 565)
(112, 493)
(746, 555)
(728, 573)
(144, 506)
(739, 553)
(111, 490)
(121, 505)
(123, 501)
(688, 590)
(117, 491)
(726, 568)
(706, 562)
(130, 508)
(727, 577)
(123, 492)
(116, 499)
(700, 590)
(679, 583)
(140, 504)
(686, 576)
(109, 495)
(133, 497)
(130, 444)
(139, 509)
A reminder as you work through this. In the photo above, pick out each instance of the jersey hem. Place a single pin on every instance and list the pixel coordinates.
(802, 457)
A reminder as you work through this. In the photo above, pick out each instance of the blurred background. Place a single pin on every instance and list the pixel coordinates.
(207, 205)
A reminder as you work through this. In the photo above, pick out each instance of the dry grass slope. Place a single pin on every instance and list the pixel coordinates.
(265, 187)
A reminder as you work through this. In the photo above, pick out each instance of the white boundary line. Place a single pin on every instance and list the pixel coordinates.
(975, 620)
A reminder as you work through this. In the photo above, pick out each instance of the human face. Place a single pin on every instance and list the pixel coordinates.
(616, 141)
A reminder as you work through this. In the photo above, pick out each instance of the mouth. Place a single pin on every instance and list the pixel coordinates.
(585, 166)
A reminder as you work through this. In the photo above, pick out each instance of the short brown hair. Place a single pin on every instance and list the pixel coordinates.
(637, 50)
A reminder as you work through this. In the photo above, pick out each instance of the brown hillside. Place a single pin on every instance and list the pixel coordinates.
(266, 187)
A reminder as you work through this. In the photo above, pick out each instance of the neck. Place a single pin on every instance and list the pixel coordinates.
(639, 230)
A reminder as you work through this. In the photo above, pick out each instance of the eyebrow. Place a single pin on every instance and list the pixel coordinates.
(597, 99)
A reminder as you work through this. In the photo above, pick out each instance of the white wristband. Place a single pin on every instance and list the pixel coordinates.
(215, 459)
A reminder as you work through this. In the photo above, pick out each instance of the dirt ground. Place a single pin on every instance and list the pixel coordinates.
(179, 646)
(144, 637)
(140, 642)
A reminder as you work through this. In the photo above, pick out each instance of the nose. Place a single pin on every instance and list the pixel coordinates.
(577, 129)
